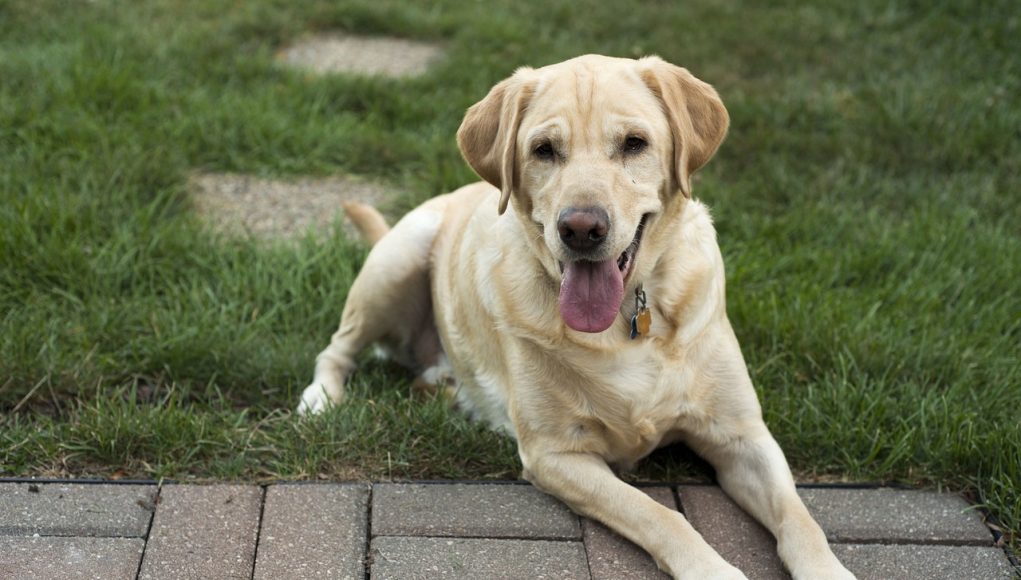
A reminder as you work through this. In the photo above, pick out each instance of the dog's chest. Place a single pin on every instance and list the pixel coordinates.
(633, 402)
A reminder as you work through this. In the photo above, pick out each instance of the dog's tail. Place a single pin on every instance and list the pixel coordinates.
(370, 223)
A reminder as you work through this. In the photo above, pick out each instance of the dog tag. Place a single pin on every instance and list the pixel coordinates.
(641, 321)
(644, 321)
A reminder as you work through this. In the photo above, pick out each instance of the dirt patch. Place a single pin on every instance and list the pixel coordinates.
(365, 55)
(271, 208)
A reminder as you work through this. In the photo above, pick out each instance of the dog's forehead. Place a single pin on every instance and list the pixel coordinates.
(591, 85)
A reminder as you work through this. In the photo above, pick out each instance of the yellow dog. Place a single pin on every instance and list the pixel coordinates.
(576, 300)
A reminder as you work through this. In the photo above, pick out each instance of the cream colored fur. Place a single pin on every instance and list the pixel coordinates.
(469, 282)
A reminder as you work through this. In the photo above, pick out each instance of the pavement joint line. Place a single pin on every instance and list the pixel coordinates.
(148, 529)
(908, 542)
(843, 485)
(676, 492)
(367, 549)
(76, 535)
(588, 559)
(469, 537)
(455, 481)
(86, 481)
(258, 528)
(145, 547)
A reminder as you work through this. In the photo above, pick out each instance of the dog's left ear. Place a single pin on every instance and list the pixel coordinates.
(698, 119)
(488, 135)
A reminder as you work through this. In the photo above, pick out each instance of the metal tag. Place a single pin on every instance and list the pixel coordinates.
(641, 321)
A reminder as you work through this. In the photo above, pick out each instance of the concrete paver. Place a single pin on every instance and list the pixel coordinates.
(313, 531)
(895, 515)
(59, 558)
(472, 558)
(449, 531)
(612, 557)
(470, 511)
(923, 562)
(59, 509)
(203, 532)
(734, 534)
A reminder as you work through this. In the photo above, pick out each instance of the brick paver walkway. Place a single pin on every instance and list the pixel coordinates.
(447, 530)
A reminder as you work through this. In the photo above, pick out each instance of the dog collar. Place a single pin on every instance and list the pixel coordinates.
(641, 321)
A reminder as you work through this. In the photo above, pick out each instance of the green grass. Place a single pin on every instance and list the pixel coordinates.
(867, 201)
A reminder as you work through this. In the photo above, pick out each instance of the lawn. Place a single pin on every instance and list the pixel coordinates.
(867, 200)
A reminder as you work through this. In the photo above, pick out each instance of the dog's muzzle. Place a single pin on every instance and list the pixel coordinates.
(591, 291)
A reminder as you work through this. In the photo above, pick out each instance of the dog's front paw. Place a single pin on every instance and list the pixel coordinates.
(316, 399)
(726, 572)
(832, 574)
(716, 568)
(833, 570)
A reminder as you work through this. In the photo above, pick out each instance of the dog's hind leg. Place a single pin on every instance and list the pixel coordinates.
(389, 301)
(437, 378)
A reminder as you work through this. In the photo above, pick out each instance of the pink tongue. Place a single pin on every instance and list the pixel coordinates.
(590, 295)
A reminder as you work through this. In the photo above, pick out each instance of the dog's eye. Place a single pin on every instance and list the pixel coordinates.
(634, 144)
(544, 151)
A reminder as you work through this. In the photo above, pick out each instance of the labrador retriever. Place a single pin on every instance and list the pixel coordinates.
(589, 321)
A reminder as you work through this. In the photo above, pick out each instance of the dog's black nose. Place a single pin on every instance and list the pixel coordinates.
(583, 229)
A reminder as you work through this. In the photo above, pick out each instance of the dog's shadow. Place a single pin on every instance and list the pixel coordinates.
(675, 463)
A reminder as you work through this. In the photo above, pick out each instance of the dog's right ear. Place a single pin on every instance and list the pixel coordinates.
(488, 135)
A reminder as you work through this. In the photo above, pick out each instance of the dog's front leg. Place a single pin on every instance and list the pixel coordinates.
(752, 469)
(590, 488)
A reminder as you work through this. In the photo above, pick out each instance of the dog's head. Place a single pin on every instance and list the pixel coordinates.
(590, 152)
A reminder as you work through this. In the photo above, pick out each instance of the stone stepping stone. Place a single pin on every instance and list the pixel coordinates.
(274, 208)
(361, 55)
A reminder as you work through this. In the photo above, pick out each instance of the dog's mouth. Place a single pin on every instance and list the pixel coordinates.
(591, 292)
(627, 258)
